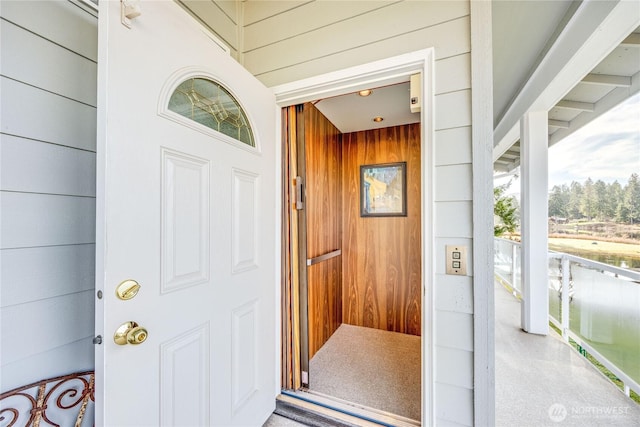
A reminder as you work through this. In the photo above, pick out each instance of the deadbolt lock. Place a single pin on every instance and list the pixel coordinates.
(127, 289)
(130, 333)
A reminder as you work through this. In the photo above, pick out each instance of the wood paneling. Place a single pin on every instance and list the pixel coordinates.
(325, 302)
(324, 225)
(382, 255)
(291, 330)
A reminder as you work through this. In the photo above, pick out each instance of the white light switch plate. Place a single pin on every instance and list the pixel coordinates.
(456, 260)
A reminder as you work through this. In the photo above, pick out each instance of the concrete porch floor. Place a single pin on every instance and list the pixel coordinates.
(541, 381)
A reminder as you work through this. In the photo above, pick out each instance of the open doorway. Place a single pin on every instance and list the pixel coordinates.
(355, 250)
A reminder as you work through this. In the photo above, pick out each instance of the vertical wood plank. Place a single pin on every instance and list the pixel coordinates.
(381, 256)
(324, 225)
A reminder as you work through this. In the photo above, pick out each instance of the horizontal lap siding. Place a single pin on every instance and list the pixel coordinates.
(43, 64)
(317, 37)
(453, 218)
(221, 16)
(76, 356)
(51, 169)
(64, 269)
(36, 105)
(47, 189)
(287, 41)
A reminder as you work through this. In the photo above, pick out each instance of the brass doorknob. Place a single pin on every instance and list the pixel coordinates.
(137, 335)
(130, 333)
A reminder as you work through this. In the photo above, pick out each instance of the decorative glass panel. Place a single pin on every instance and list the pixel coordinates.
(208, 103)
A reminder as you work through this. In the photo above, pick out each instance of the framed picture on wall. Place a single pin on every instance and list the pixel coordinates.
(383, 189)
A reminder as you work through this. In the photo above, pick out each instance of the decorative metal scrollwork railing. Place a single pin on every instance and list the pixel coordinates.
(62, 401)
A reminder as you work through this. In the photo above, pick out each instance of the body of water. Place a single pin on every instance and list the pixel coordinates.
(611, 259)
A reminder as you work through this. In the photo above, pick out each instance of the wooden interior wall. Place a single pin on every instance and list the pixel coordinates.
(381, 255)
(324, 226)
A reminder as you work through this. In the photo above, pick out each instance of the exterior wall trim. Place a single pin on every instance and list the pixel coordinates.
(482, 155)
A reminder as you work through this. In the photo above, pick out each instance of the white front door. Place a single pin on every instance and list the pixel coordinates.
(190, 215)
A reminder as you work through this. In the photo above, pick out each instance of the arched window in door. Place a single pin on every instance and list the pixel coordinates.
(207, 102)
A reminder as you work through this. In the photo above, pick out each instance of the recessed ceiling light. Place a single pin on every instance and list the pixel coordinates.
(365, 92)
(378, 119)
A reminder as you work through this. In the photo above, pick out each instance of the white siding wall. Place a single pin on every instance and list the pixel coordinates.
(221, 17)
(289, 40)
(47, 189)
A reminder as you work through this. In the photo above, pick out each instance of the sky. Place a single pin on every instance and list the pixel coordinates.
(608, 149)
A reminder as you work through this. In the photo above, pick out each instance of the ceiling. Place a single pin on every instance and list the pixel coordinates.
(522, 32)
(608, 84)
(352, 112)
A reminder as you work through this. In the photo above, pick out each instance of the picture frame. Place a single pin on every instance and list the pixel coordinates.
(383, 190)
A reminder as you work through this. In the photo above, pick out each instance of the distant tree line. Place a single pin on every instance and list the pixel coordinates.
(597, 201)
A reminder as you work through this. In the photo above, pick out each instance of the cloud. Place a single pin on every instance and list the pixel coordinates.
(608, 148)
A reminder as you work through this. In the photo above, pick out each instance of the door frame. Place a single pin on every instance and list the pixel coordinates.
(378, 73)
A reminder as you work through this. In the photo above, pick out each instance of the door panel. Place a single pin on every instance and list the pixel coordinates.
(184, 378)
(188, 213)
(325, 301)
(323, 157)
(185, 226)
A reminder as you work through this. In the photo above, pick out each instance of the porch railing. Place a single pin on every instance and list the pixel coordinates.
(600, 311)
(507, 256)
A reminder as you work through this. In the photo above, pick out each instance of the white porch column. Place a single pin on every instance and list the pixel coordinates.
(534, 148)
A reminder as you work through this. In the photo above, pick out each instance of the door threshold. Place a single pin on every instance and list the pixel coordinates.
(334, 410)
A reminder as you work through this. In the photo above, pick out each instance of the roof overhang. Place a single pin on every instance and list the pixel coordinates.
(592, 66)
